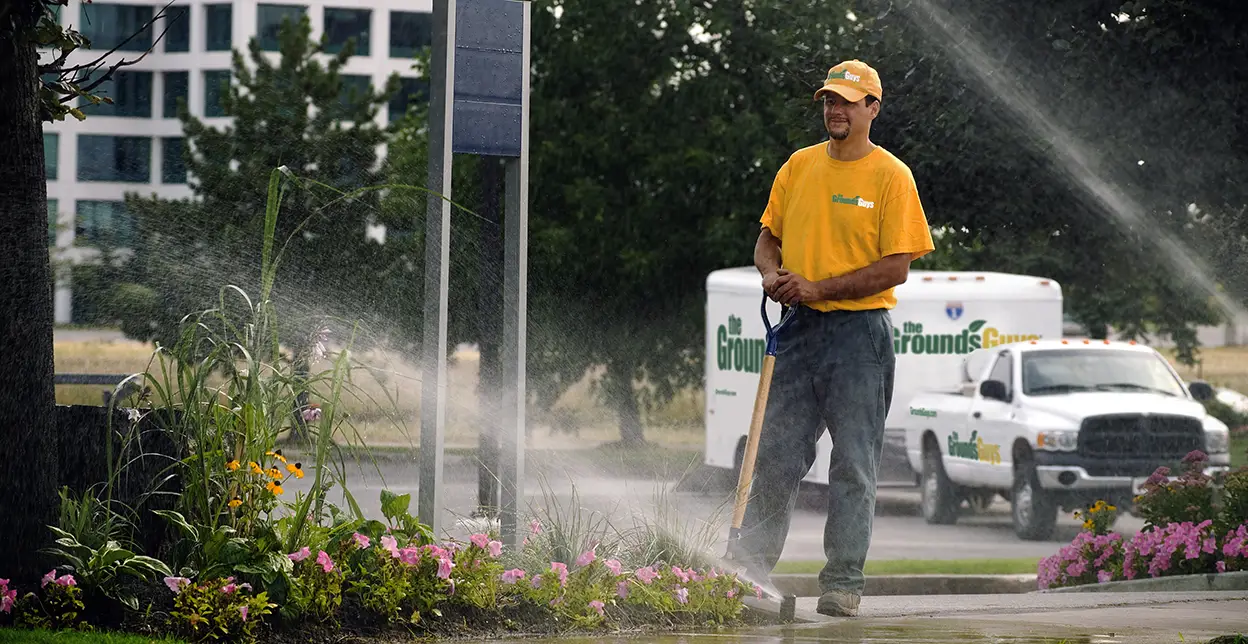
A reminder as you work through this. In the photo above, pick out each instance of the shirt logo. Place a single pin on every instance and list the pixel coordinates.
(853, 201)
(844, 73)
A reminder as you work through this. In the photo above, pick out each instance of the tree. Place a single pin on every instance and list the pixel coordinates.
(32, 92)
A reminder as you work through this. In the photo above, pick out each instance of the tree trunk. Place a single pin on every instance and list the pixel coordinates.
(28, 468)
(619, 383)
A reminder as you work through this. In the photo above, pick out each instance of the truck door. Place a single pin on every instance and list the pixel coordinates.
(992, 428)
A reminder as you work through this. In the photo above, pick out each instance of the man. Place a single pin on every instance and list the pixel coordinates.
(840, 229)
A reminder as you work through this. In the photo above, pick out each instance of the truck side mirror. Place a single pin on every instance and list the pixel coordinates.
(1201, 390)
(994, 389)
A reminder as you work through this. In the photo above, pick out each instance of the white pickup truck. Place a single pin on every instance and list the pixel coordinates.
(1051, 424)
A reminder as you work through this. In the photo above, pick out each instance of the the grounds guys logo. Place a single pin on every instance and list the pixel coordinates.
(735, 353)
(853, 201)
(844, 73)
(910, 338)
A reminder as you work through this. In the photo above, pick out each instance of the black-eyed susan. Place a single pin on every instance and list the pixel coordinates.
(255, 468)
(232, 465)
(296, 469)
(274, 488)
(275, 473)
(234, 503)
(277, 455)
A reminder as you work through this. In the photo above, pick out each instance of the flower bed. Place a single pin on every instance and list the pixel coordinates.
(1194, 524)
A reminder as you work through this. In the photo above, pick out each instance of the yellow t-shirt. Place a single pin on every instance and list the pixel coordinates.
(834, 217)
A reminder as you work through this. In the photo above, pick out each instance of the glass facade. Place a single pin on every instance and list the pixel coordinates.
(269, 18)
(103, 222)
(355, 89)
(411, 90)
(51, 154)
(216, 85)
(172, 165)
(109, 25)
(219, 27)
(342, 25)
(114, 158)
(177, 86)
(52, 226)
(410, 32)
(178, 29)
(129, 91)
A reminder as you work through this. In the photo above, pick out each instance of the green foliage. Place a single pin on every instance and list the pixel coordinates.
(316, 588)
(101, 568)
(1225, 413)
(219, 608)
(58, 605)
(1194, 496)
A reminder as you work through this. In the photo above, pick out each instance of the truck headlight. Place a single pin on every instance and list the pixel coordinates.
(1218, 442)
(1058, 441)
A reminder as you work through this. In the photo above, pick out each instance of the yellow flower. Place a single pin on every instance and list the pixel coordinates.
(277, 489)
(274, 488)
(277, 455)
(1111, 508)
(232, 465)
(255, 468)
(276, 474)
(296, 469)
(1087, 525)
(234, 503)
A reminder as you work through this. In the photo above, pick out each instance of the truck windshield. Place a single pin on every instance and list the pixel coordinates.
(1057, 372)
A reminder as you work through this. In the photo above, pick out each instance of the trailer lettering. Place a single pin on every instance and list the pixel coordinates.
(737, 353)
(910, 339)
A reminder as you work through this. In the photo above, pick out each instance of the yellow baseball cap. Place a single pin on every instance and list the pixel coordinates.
(852, 79)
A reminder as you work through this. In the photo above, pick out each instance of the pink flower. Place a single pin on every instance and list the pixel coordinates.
(303, 553)
(323, 559)
(562, 569)
(409, 556)
(614, 566)
(242, 610)
(535, 526)
(360, 540)
(48, 578)
(444, 567)
(536, 581)
(480, 540)
(311, 414)
(229, 588)
(67, 580)
(1104, 576)
(586, 558)
(390, 545)
(597, 605)
(680, 574)
(682, 595)
(621, 589)
(1220, 566)
(511, 576)
(495, 548)
(646, 575)
(758, 591)
(6, 601)
(732, 592)
(176, 584)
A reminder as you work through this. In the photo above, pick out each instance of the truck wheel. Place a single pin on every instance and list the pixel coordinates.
(938, 502)
(1032, 508)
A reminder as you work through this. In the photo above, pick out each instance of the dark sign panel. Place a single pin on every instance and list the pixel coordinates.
(489, 77)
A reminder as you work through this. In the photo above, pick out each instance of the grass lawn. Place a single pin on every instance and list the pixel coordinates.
(16, 636)
(1219, 366)
(924, 567)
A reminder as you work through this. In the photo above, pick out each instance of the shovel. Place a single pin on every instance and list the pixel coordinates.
(756, 422)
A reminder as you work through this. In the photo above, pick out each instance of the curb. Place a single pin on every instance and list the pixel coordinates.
(892, 585)
(1178, 583)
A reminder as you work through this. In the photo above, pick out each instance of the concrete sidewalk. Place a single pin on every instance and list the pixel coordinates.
(1136, 617)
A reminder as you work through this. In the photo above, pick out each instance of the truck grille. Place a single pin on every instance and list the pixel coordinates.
(1155, 439)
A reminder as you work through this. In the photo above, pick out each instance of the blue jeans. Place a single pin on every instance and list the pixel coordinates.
(833, 371)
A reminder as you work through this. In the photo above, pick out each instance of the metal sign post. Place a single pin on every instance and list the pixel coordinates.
(481, 62)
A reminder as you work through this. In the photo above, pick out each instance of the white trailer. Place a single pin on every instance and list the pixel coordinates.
(940, 317)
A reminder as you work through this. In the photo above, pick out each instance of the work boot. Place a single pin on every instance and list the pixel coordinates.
(838, 603)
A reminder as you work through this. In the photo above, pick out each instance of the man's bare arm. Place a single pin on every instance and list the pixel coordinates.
(767, 252)
(875, 278)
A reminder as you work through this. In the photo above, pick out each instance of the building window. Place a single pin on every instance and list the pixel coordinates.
(411, 90)
(342, 25)
(219, 26)
(178, 29)
(108, 26)
(114, 158)
(50, 154)
(130, 91)
(269, 18)
(103, 222)
(409, 33)
(356, 89)
(172, 165)
(216, 86)
(52, 223)
(177, 86)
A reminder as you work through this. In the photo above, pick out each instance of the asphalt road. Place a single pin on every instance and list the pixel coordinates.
(899, 531)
